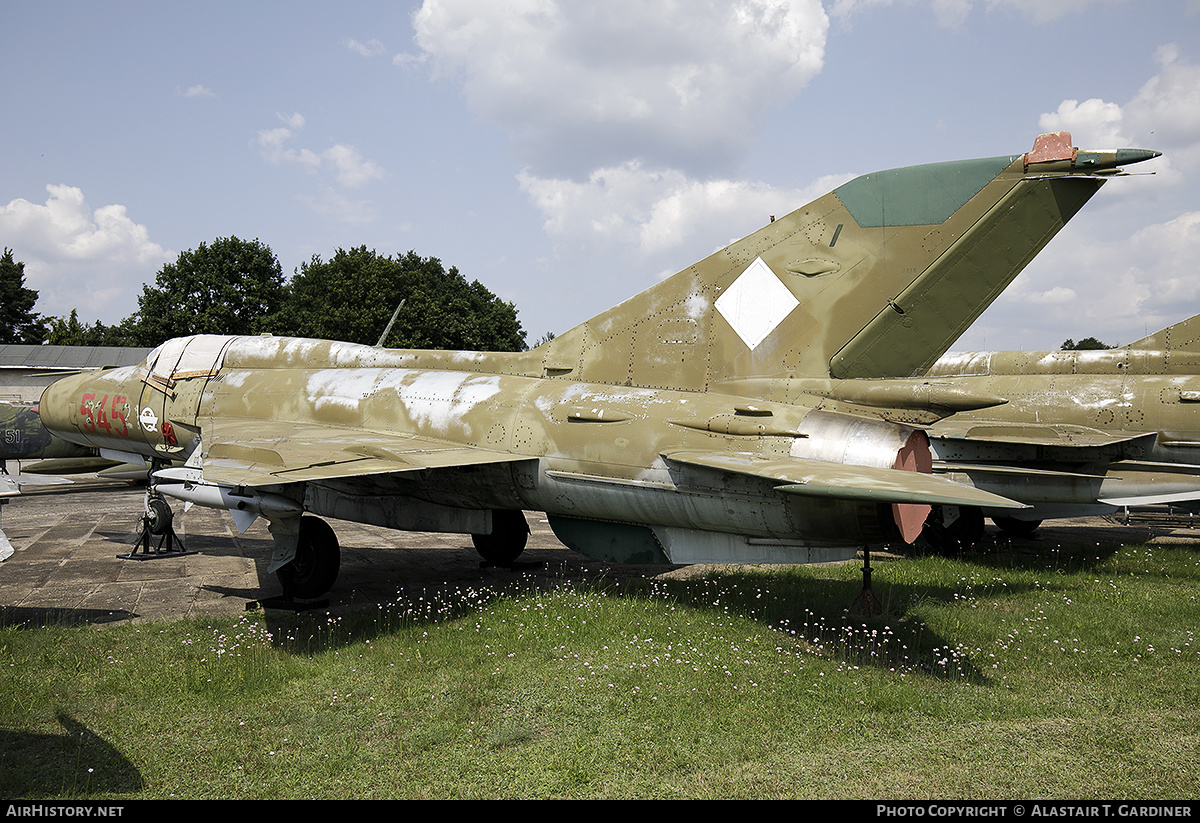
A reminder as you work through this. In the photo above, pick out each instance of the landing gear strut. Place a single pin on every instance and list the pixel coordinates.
(953, 529)
(507, 539)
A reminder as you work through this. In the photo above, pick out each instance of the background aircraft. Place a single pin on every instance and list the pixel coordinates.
(1080, 433)
(23, 436)
(685, 425)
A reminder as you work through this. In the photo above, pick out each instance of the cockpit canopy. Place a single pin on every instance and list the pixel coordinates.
(182, 357)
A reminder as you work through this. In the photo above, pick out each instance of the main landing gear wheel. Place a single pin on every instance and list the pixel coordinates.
(314, 569)
(1016, 528)
(952, 529)
(507, 540)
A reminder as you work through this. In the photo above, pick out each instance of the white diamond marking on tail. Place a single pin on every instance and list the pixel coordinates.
(756, 303)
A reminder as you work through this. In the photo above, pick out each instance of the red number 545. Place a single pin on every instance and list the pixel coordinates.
(96, 417)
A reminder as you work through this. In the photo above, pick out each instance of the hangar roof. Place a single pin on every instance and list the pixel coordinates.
(67, 358)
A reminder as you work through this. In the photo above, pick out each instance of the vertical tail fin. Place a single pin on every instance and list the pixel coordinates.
(1183, 337)
(1173, 350)
(875, 279)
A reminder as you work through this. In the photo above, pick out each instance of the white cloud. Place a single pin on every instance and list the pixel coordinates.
(954, 13)
(1169, 250)
(65, 228)
(350, 169)
(660, 212)
(624, 110)
(198, 90)
(722, 210)
(613, 204)
(337, 206)
(1093, 123)
(95, 261)
(1046, 11)
(1117, 288)
(1165, 112)
(371, 48)
(271, 143)
(580, 86)
(1053, 297)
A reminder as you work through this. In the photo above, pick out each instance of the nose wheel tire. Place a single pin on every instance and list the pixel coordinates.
(158, 516)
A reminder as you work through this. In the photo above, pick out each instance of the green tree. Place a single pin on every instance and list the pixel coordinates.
(545, 338)
(352, 296)
(1086, 344)
(228, 287)
(18, 322)
(99, 334)
(69, 332)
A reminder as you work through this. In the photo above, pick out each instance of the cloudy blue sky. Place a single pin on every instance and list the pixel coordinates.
(568, 153)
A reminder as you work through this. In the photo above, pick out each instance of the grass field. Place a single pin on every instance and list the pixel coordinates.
(1015, 675)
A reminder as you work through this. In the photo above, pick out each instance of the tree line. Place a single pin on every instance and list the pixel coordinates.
(233, 286)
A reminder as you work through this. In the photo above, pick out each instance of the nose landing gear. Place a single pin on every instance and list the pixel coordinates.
(157, 521)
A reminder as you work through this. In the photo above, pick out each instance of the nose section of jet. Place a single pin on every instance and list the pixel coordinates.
(58, 407)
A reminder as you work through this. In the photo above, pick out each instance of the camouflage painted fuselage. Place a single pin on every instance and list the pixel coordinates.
(598, 455)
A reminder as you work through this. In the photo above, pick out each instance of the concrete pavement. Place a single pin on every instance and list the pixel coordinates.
(67, 540)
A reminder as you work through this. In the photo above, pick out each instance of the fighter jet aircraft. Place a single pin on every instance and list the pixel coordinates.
(1080, 432)
(730, 413)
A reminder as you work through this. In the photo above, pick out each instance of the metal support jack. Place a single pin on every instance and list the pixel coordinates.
(157, 521)
(866, 599)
